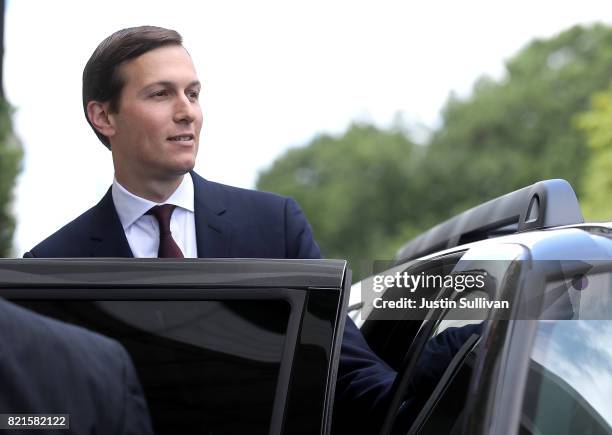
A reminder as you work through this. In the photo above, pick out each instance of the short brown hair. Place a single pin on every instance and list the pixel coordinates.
(101, 79)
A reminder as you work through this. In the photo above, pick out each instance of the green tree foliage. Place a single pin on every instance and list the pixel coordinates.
(368, 191)
(519, 130)
(10, 164)
(359, 191)
(596, 200)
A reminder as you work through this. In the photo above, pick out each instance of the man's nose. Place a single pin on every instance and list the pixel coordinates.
(185, 110)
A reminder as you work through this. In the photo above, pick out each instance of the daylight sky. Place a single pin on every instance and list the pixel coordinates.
(275, 74)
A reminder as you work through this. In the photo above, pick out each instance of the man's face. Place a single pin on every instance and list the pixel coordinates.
(157, 126)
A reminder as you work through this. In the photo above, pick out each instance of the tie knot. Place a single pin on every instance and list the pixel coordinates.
(163, 213)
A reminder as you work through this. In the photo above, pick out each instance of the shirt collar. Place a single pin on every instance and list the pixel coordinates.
(131, 207)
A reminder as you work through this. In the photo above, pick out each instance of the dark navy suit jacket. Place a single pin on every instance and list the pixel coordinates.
(240, 223)
(47, 366)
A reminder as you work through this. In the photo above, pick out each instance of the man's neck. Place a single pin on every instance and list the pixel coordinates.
(154, 190)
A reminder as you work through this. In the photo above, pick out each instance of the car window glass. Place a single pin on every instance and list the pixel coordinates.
(570, 379)
(186, 353)
(390, 332)
(494, 273)
(456, 326)
(594, 296)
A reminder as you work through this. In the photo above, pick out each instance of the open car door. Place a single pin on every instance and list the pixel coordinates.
(219, 345)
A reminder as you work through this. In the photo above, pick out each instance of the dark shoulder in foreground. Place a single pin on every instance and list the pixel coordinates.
(49, 366)
(27, 325)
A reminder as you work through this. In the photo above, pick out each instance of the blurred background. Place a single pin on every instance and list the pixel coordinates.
(380, 118)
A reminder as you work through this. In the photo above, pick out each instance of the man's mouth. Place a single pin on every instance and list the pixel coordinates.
(181, 138)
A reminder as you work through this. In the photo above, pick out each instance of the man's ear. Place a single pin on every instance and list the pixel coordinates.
(99, 116)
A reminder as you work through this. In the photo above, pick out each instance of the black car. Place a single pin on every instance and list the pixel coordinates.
(542, 363)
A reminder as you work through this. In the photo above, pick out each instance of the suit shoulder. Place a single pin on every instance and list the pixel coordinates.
(52, 366)
(67, 241)
(229, 191)
(248, 197)
(267, 225)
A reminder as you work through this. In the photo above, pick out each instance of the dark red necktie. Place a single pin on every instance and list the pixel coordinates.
(167, 246)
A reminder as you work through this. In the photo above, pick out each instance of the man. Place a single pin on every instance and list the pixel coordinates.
(140, 96)
(83, 374)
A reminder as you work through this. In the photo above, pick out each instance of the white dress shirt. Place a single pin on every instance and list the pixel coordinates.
(142, 230)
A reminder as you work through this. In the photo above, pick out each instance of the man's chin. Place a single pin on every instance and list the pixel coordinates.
(183, 167)
(186, 169)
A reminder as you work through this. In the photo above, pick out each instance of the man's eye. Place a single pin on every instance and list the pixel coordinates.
(194, 95)
(162, 93)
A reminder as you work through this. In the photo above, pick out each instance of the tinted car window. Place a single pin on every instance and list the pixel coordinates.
(187, 353)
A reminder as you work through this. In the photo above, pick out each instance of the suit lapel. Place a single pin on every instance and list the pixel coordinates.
(213, 230)
(107, 238)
